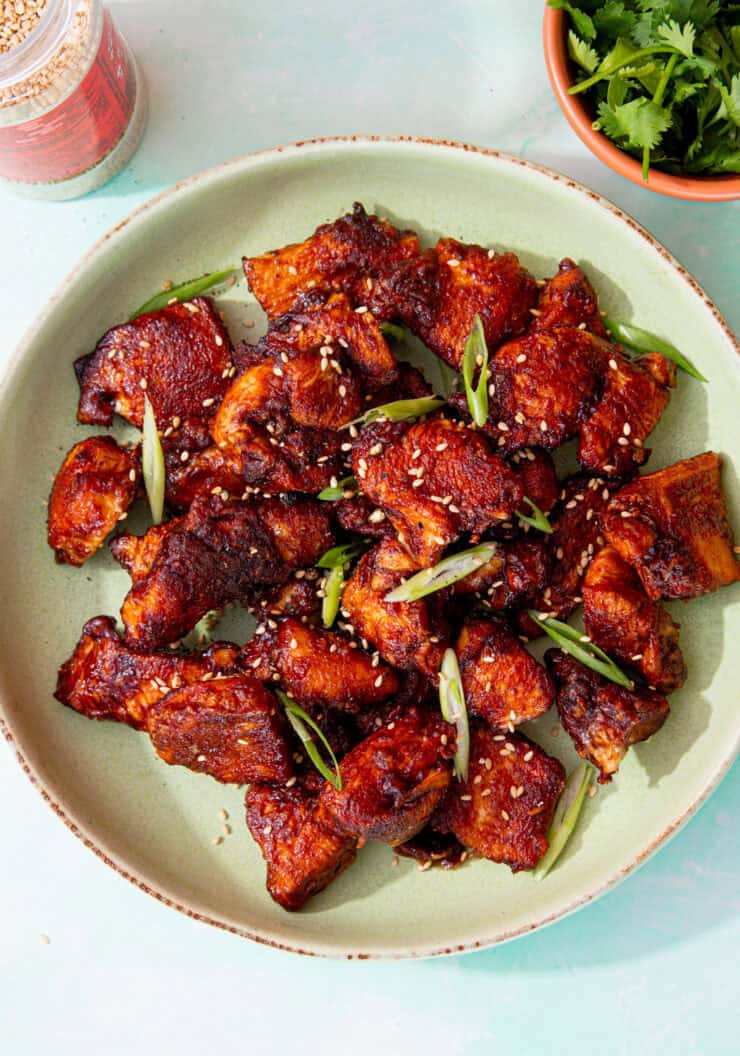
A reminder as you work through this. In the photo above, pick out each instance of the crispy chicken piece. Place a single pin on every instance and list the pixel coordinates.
(319, 669)
(431, 847)
(298, 597)
(205, 472)
(434, 480)
(575, 539)
(217, 553)
(438, 294)
(136, 553)
(546, 384)
(513, 576)
(393, 781)
(568, 299)
(503, 683)
(406, 634)
(612, 438)
(672, 527)
(635, 631)
(96, 483)
(360, 516)
(302, 855)
(602, 718)
(105, 679)
(231, 728)
(505, 807)
(346, 255)
(180, 355)
(536, 470)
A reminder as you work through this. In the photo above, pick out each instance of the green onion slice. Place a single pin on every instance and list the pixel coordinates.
(152, 463)
(333, 588)
(393, 330)
(643, 341)
(538, 520)
(302, 723)
(340, 555)
(565, 817)
(184, 292)
(452, 703)
(589, 654)
(333, 493)
(448, 571)
(399, 410)
(476, 355)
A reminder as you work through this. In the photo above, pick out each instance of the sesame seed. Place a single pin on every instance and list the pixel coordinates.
(441, 447)
(132, 474)
(290, 782)
(503, 427)
(293, 644)
(292, 269)
(453, 263)
(209, 402)
(605, 494)
(376, 448)
(613, 364)
(505, 815)
(626, 428)
(378, 681)
(143, 384)
(418, 483)
(491, 390)
(636, 657)
(219, 340)
(543, 426)
(535, 312)
(521, 358)
(571, 505)
(361, 310)
(465, 799)
(559, 553)
(184, 456)
(622, 441)
(216, 840)
(625, 513)
(277, 371)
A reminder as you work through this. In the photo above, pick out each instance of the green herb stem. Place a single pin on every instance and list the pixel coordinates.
(152, 463)
(399, 410)
(643, 341)
(475, 357)
(658, 99)
(333, 589)
(454, 710)
(589, 654)
(184, 292)
(442, 575)
(630, 60)
(302, 723)
(538, 520)
(564, 819)
(335, 492)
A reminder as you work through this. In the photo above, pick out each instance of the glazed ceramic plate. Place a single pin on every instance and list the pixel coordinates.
(156, 823)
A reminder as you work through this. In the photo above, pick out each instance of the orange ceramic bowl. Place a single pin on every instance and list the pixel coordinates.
(580, 118)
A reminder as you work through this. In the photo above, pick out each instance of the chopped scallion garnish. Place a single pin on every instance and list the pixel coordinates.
(643, 341)
(302, 723)
(333, 588)
(184, 292)
(565, 817)
(152, 463)
(340, 555)
(475, 357)
(399, 410)
(538, 519)
(589, 654)
(448, 571)
(335, 492)
(393, 330)
(452, 703)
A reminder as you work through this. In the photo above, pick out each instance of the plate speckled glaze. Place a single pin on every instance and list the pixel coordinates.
(154, 823)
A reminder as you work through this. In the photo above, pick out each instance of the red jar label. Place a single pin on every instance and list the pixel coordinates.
(83, 129)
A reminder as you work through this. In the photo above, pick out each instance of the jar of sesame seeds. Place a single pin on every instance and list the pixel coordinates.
(72, 101)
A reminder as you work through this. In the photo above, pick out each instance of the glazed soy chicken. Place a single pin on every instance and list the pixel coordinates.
(286, 498)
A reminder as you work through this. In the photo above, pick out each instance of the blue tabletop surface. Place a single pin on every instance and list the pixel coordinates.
(652, 967)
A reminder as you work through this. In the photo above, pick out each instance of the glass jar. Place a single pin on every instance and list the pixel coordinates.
(72, 101)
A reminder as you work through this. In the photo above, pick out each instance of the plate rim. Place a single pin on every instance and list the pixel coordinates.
(76, 825)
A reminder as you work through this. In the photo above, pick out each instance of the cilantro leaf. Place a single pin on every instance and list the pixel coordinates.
(731, 100)
(582, 53)
(641, 122)
(613, 20)
(679, 37)
(584, 27)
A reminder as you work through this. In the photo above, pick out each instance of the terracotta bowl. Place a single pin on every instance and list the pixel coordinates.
(580, 118)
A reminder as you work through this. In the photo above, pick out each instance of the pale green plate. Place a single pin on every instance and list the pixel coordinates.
(155, 823)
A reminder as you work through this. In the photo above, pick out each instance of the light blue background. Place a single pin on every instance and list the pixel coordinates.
(652, 968)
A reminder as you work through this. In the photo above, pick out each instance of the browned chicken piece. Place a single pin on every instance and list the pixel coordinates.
(504, 809)
(672, 527)
(602, 718)
(568, 299)
(298, 597)
(231, 728)
(362, 517)
(349, 338)
(105, 679)
(302, 855)
(635, 631)
(545, 384)
(96, 483)
(263, 445)
(438, 294)
(393, 781)
(136, 553)
(319, 669)
(434, 480)
(575, 539)
(217, 553)
(612, 438)
(513, 576)
(431, 847)
(536, 471)
(407, 634)
(179, 356)
(503, 683)
(205, 472)
(347, 255)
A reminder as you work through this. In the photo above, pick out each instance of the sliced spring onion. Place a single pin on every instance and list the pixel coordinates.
(184, 292)
(334, 493)
(476, 356)
(448, 571)
(643, 341)
(399, 410)
(302, 723)
(393, 330)
(152, 463)
(565, 817)
(452, 704)
(333, 588)
(340, 555)
(538, 520)
(589, 654)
